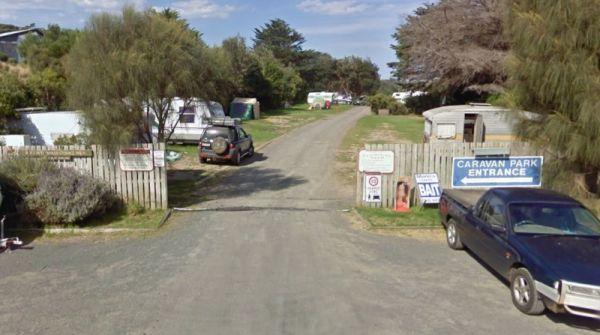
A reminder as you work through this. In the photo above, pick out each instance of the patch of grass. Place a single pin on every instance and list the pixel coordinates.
(417, 217)
(186, 149)
(397, 128)
(274, 123)
(132, 217)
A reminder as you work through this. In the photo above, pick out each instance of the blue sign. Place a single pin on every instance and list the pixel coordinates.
(428, 185)
(471, 172)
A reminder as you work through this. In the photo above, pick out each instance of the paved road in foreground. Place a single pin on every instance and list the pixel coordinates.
(277, 258)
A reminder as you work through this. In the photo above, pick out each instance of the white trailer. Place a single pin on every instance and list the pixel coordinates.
(188, 119)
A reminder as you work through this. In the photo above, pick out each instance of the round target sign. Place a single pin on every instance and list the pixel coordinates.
(373, 181)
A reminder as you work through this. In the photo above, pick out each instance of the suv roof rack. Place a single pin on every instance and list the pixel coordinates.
(224, 121)
(475, 104)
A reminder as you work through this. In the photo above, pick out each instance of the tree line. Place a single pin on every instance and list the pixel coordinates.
(118, 65)
(539, 56)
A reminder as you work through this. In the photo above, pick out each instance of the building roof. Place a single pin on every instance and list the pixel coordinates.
(471, 108)
(250, 101)
(22, 31)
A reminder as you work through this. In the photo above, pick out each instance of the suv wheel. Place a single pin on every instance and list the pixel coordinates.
(251, 151)
(524, 294)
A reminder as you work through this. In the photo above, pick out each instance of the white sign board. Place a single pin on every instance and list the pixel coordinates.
(372, 191)
(136, 159)
(159, 158)
(429, 188)
(376, 161)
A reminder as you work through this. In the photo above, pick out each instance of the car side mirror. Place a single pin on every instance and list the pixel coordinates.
(499, 229)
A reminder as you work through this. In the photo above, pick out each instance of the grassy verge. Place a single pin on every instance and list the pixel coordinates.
(375, 129)
(418, 217)
(147, 219)
(280, 121)
(385, 129)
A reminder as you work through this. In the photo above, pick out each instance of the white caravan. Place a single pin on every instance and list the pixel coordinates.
(188, 120)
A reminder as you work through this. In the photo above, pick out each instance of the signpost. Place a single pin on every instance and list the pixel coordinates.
(376, 161)
(372, 191)
(429, 188)
(136, 159)
(475, 172)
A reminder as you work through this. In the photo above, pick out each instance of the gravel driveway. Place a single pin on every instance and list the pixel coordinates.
(273, 255)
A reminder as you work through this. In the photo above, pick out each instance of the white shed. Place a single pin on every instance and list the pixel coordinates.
(469, 123)
(44, 127)
(189, 120)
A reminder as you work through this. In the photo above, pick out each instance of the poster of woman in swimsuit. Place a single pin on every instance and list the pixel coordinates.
(403, 188)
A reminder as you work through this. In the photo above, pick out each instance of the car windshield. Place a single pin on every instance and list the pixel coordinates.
(553, 219)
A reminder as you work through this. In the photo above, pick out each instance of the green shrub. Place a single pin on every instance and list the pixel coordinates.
(66, 196)
(380, 101)
(71, 140)
(397, 108)
(23, 173)
(3, 57)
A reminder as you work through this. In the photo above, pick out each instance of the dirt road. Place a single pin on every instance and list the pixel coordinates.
(272, 256)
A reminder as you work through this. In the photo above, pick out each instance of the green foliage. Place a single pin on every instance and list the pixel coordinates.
(3, 57)
(556, 76)
(277, 36)
(64, 196)
(380, 101)
(357, 76)
(45, 57)
(388, 86)
(7, 27)
(317, 70)
(48, 51)
(397, 108)
(122, 63)
(80, 139)
(48, 88)
(13, 94)
(24, 173)
(283, 81)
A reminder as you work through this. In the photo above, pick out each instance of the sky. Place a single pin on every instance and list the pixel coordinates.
(338, 27)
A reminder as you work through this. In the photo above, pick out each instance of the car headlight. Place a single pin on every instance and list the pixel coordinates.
(583, 290)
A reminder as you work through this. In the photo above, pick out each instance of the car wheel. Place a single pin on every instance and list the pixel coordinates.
(236, 159)
(524, 294)
(203, 160)
(452, 236)
(251, 151)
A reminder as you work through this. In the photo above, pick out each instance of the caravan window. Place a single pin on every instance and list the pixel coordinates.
(187, 114)
(446, 130)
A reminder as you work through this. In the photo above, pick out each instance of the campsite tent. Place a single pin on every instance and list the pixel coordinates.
(245, 108)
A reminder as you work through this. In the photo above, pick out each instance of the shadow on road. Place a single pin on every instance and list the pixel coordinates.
(562, 318)
(245, 182)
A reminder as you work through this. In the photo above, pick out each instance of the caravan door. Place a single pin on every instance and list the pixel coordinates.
(479, 132)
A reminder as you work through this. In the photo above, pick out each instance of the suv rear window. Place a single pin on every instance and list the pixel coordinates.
(225, 132)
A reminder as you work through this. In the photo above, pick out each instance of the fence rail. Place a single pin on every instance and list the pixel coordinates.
(146, 188)
(410, 159)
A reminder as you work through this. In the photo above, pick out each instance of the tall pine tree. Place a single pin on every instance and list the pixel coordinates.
(554, 71)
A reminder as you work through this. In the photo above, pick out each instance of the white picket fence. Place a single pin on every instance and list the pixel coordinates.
(426, 158)
(146, 188)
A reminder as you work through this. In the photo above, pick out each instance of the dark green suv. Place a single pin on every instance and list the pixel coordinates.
(225, 140)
